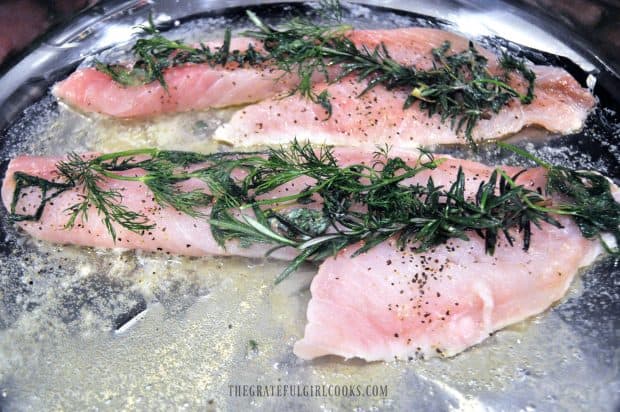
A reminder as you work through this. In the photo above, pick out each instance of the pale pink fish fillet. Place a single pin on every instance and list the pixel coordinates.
(561, 105)
(200, 86)
(175, 232)
(190, 87)
(413, 46)
(381, 305)
(390, 304)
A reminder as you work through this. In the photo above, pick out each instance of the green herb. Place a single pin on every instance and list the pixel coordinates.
(330, 10)
(586, 197)
(49, 190)
(340, 206)
(86, 175)
(155, 54)
(460, 88)
(300, 46)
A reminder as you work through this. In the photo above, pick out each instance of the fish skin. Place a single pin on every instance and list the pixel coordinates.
(200, 86)
(560, 105)
(388, 304)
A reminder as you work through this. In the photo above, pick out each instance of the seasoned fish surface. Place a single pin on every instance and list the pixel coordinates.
(560, 105)
(201, 86)
(391, 303)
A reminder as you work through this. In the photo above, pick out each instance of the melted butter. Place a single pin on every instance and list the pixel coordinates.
(185, 131)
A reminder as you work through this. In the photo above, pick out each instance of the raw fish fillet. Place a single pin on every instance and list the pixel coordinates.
(560, 105)
(390, 304)
(175, 232)
(200, 86)
(384, 304)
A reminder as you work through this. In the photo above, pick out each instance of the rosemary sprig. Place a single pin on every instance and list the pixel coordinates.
(330, 10)
(595, 211)
(340, 206)
(460, 87)
(300, 46)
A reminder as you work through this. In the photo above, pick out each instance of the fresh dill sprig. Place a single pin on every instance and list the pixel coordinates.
(156, 53)
(108, 203)
(299, 46)
(459, 87)
(340, 205)
(330, 10)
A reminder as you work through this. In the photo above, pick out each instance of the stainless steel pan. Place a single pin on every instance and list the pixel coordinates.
(87, 329)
